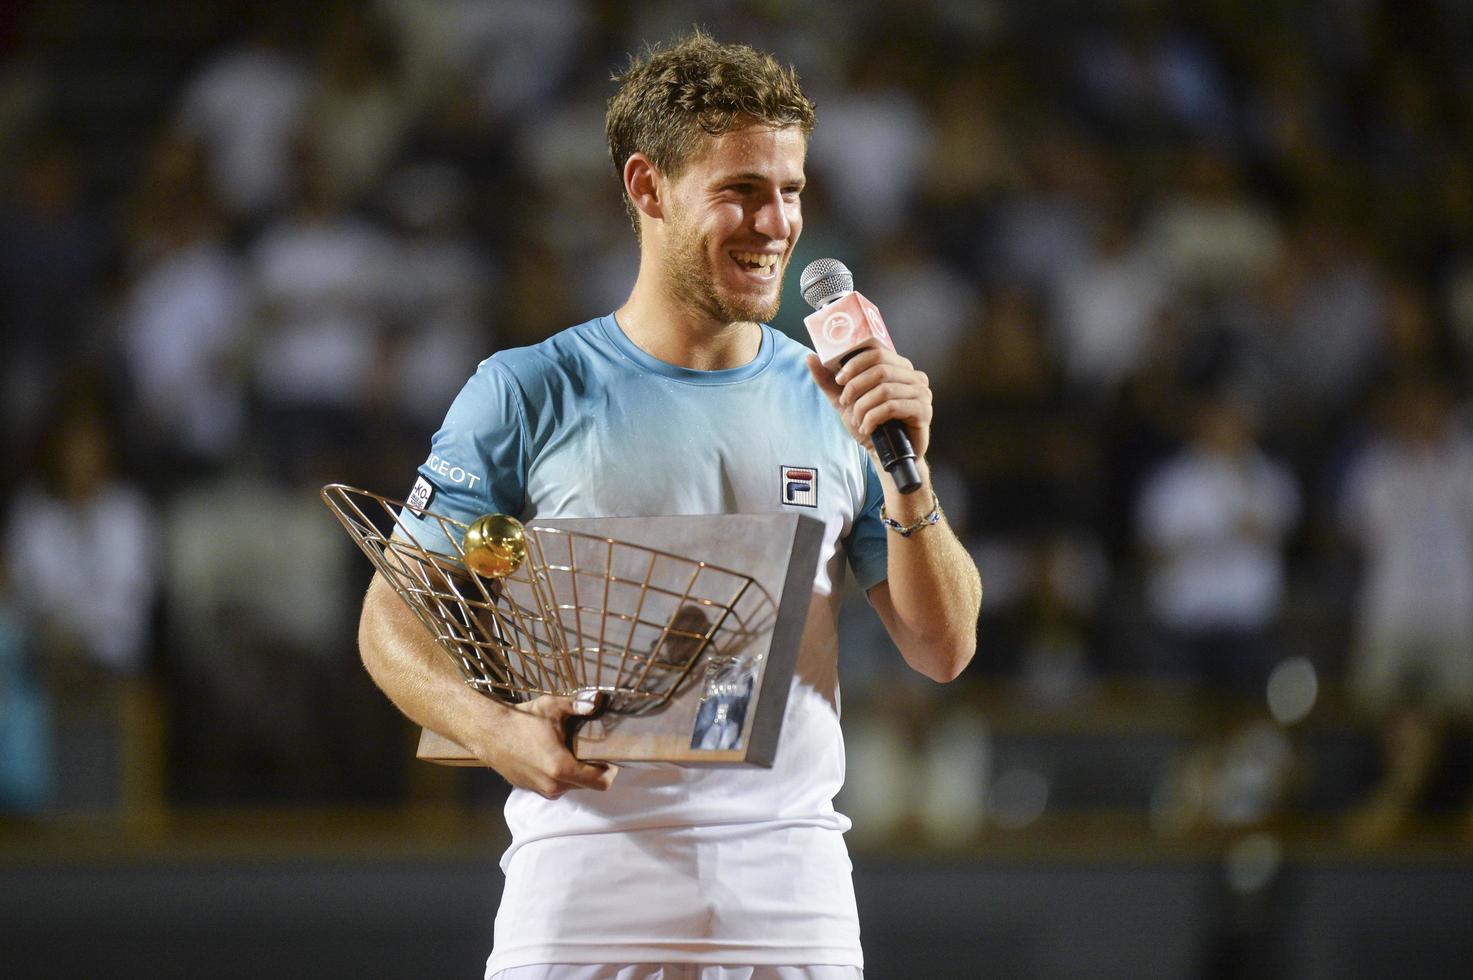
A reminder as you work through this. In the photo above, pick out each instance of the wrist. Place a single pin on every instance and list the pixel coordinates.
(481, 721)
(906, 507)
(908, 529)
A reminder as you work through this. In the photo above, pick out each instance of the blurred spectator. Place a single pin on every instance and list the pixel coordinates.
(1311, 337)
(52, 251)
(451, 130)
(183, 330)
(1142, 427)
(1289, 117)
(1105, 309)
(931, 307)
(1027, 453)
(1210, 234)
(1408, 507)
(1044, 229)
(240, 543)
(871, 148)
(974, 159)
(1212, 522)
(245, 107)
(514, 55)
(82, 546)
(322, 279)
(359, 110)
(259, 595)
(571, 209)
(442, 288)
(1145, 77)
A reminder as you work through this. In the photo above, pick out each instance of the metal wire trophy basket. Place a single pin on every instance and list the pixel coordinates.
(554, 609)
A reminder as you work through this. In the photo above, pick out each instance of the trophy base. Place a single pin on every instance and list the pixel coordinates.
(596, 746)
(436, 748)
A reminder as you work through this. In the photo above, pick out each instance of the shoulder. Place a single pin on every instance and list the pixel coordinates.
(576, 351)
(541, 386)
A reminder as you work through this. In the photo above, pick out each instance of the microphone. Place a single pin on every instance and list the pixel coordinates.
(843, 324)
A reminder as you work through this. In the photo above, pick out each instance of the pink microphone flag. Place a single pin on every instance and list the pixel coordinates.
(848, 324)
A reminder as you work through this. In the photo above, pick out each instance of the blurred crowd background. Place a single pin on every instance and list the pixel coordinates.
(1193, 284)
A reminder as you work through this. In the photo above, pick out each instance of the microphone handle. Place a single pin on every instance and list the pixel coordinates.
(892, 445)
(897, 456)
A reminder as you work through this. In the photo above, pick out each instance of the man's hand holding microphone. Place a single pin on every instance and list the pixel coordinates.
(883, 399)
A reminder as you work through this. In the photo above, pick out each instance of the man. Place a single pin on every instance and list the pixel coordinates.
(683, 402)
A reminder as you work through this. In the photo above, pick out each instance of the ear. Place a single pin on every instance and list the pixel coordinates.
(645, 185)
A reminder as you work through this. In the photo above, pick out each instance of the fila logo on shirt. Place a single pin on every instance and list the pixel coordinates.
(800, 486)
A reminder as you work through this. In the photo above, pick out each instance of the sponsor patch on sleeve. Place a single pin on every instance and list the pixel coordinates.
(420, 497)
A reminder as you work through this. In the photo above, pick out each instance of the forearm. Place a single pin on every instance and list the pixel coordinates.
(935, 590)
(932, 593)
(526, 743)
(422, 682)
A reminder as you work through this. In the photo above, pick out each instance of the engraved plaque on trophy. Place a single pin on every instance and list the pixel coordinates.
(686, 629)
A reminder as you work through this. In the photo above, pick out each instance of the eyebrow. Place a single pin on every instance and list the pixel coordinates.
(752, 175)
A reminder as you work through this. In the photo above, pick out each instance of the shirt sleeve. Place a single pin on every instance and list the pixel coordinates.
(866, 545)
(477, 463)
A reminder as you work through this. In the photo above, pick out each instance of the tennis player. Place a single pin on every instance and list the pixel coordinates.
(683, 401)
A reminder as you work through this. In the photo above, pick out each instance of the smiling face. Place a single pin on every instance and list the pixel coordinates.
(731, 219)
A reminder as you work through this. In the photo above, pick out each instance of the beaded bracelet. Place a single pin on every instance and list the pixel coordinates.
(906, 531)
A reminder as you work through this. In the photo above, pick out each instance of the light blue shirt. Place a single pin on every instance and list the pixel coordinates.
(585, 424)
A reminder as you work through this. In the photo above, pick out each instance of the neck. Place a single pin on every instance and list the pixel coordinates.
(668, 328)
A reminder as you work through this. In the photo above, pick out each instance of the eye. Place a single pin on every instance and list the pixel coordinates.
(740, 188)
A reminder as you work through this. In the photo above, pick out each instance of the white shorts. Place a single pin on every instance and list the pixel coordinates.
(675, 971)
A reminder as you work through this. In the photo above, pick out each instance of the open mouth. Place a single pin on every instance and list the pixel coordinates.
(761, 264)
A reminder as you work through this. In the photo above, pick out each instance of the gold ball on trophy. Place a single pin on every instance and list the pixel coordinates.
(495, 545)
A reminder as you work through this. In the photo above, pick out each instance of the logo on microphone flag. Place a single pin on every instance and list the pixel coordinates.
(844, 326)
(800, 486)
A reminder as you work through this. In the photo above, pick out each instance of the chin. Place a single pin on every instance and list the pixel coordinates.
(752, 307)
(751, 311)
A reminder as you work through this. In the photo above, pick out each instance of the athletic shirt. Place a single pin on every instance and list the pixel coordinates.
(674, 864)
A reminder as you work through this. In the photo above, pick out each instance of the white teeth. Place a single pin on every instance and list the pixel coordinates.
(762, 259)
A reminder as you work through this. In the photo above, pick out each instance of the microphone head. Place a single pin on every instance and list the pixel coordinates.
(825, 280)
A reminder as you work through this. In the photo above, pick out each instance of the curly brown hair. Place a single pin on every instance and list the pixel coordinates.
(674, 96)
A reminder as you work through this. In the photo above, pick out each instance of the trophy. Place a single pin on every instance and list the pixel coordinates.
(690, 659)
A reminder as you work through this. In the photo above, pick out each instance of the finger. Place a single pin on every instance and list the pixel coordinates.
(556, 707)
(877, 375)
(545, 786)
(573, 773)
(865, 360)
(824, 378)
(593, 775)
(913, 413)
(881, 393)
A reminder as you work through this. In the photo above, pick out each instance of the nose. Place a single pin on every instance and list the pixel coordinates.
(773, 218)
